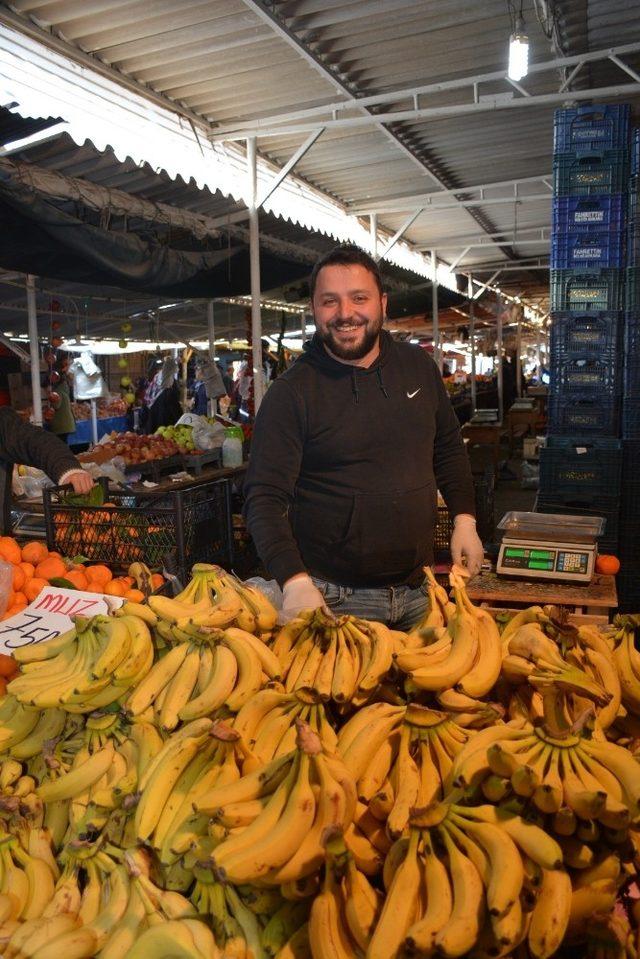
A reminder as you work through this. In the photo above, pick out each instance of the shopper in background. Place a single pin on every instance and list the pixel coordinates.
(350, 446)
(29, 445)
(63, 422)
(161, 398)
(199, 392)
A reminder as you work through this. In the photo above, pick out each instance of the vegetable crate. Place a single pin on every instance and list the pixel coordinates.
(587, 413)
(592, 127)
(575, 334)
(596, 249)
(586, 374)
(585, 467)
(587, 214)
(589, 174)
(587, 290)
(172, 529)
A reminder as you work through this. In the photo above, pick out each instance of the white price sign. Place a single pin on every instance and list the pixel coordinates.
(50, 614)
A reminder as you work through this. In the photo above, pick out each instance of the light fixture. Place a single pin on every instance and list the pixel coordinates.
(518, 52)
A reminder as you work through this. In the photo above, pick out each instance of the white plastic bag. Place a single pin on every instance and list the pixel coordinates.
(87, 378)
(270, 589)
(6, 585)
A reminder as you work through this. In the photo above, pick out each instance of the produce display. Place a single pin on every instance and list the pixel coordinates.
(181, 435)
(106, 408)
(186, 779)
(133, 448)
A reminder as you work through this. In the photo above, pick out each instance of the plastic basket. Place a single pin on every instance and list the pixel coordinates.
(608, 509)
(583, 214)
(174, 528)
(629, 511)
(590, 415)
(633, 243)
(484, 488)
(632, 290)
(586, 375)
(592, 333)
(591, 467)
(595, 127)
(586, 290)
(631, 418)
(591, 250)
(635, 152)
(587, 174)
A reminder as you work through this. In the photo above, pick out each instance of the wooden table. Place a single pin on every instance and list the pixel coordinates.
(485, 434)
(593, 602)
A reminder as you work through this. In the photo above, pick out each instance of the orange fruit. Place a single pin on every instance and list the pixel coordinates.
(8, 665)
(10, 598)
(34, 552)
(19, 578)
(3, 682)
(14, 610)
(93, 586)
(19, 599)
(114, 588)
(34, 587)
(28, 570)
(129, 581)
(51, 568)
(77, 577)
(608, 565)
(9, 550)
(157, 581)
(99, 572)
(134, 595)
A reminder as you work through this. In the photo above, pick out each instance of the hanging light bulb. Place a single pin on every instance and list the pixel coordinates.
(518, 52)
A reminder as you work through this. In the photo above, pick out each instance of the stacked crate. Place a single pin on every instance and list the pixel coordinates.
(581, 467)
(629, 577)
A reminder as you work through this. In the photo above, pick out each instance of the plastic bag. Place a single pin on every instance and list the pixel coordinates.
(206, 435)
(270, 589)
(6, 585)
(530, 475)
(87, 378)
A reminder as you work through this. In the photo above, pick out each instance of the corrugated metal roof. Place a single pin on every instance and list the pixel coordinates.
(227, 62)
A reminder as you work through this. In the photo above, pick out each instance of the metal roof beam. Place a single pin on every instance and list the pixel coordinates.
(491, 201)
(259, 125)
(403, 229)
(509, 241)
(399, 204)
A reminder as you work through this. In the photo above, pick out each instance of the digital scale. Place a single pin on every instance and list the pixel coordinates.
(549, 546)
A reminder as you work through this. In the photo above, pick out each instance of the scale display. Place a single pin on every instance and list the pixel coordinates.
(547, 561)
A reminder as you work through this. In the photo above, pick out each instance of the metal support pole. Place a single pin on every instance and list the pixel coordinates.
(211, 326)
(94, 422)
(437, 353)
(500, 360)
(254, 261)
(373, 233)
(518, 357)
(34, 349)
(472, 341)
(539, 350)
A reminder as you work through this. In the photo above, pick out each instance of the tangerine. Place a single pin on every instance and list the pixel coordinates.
(34, 587)
(28, 570)
(19, 599)
(100, 573)
(19, 579)
(93, 586)
(77, 578)
(34, 552)
(114, 588)
(157, 581)
(608, 565)
(51, 568)
(9, 550)
(135, 595)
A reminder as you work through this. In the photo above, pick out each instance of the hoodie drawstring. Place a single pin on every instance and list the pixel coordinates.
(380, 382)
(354, 384)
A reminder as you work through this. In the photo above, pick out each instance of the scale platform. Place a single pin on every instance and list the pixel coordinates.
(549, 546)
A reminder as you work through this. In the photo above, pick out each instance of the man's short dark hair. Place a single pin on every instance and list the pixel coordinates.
(348, 254)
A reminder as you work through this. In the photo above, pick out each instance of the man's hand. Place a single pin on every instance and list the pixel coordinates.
(81, 481)
(299, 593)
(466, 544)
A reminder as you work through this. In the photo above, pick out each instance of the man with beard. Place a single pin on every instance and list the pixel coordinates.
(349, 449)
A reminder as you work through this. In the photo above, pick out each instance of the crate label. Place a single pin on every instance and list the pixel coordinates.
(588, 216)
(50, 614)
(587, 133)
(589, 178)
(575, 476)
(581, 450)
(582, 419)
(584, 337)
(587, 253)
(587, 294)
(584, 379)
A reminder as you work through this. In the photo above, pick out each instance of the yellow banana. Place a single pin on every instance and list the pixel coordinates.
(399, 906)
(421, 935)
(461, 930)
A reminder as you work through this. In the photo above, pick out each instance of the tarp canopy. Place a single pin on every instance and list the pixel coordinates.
(40, 237)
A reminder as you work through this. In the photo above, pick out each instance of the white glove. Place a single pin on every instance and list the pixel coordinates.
(466, 544)
(81, 481)
(299, 593)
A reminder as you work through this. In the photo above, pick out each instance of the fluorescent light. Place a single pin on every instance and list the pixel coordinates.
(518, 54)
(15, 146)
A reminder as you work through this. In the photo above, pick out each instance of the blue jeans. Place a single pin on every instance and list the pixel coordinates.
(399, 607)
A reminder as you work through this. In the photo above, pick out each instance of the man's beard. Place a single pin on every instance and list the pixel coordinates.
(359, 349)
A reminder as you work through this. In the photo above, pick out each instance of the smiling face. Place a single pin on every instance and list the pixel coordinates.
(349, 310)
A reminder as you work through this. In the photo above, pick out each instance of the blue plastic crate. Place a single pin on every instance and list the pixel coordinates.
(631, 338)
(631, 381)
(586, 374)
(631, 418)
(586, 290)
(635, 152)
(598, 334)
(591, 415)
(589, 174)
(597, 250)
(629, 512)
(586, 467)
(584, 214)
(598, 126)
(583, 506)
(633, 242)
(632, 290)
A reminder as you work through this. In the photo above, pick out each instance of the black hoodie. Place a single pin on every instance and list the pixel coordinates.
(345, 464)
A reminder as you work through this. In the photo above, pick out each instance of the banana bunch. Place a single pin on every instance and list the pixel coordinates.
(627, 660)
(439, 611)
(464, 654)
(276, 814)
(87, 668)
(235, 926)
(267, 723)
(204, 669)
(28, 875)
(343, 659)
(215, 599)
(399, 759)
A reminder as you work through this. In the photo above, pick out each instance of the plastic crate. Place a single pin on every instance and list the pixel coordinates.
(629, 511)
(631, 418)
(174, 528)
(586, 290)
(632, 290)
(587, 174)
(583, 214)
(635, 152)
(575, 465)
(633, 243)
(597, 334)
(631, 381)
(484, 488)
(590, 415)
(586, 375)
(591, 250)
(608, 509)
(594, 127)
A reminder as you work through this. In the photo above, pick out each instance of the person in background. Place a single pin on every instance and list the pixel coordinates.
(63, 422)
(29, 445)
(161, 397)
(200, 399)
(350, 446)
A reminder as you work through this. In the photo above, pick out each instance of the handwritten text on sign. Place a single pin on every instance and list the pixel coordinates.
(50, 614)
